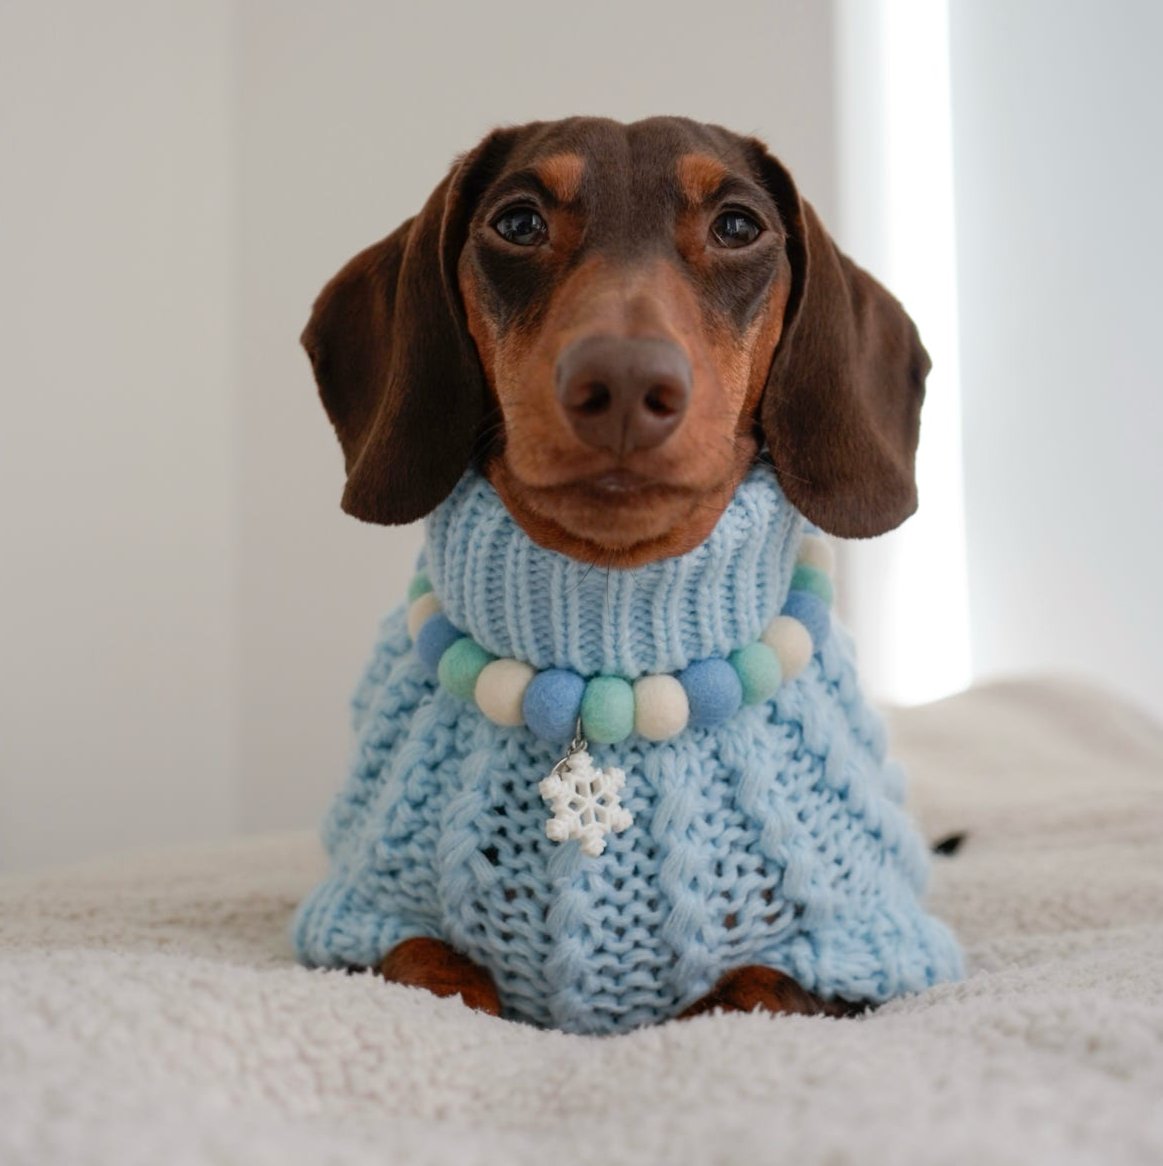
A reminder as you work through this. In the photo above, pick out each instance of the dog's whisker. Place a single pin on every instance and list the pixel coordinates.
(581, 579)
(783, 472)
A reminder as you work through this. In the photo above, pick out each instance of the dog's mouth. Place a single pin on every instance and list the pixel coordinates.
(616, 482)
(612, 499)
(620, 485)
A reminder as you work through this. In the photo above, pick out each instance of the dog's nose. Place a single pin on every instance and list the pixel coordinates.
(623, 393)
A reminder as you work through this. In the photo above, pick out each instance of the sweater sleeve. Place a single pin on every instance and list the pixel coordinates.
(391, 644)
(388, 692)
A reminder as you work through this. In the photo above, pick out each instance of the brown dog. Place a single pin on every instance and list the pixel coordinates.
(613, 322)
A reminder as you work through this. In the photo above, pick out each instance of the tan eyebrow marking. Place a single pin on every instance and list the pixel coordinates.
(699, 176)
(562, 174)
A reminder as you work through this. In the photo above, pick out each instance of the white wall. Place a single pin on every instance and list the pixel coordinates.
(116, 516)
(1059, 166)
(349, 115)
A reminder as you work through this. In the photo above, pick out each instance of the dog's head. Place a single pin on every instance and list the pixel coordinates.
(613, 321)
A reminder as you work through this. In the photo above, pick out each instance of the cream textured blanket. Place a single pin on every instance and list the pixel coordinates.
(150, 1011)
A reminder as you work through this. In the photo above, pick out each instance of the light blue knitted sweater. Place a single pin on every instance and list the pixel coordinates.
(776, 838)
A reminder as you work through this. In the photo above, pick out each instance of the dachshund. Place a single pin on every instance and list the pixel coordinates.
(613, 323)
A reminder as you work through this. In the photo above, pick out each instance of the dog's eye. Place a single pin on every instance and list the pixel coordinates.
(735, 229)
(522, 225)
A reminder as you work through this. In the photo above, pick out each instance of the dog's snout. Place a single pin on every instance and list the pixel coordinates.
(623, 393)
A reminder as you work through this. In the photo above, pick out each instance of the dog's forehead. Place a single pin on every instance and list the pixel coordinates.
(612, 168)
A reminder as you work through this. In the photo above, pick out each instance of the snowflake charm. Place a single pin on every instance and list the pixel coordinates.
(585, 801)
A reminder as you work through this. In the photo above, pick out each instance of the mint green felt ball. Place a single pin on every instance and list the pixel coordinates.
(460, 666)
(420, 585)
(812, 579)
(759, 672)
(607, 710)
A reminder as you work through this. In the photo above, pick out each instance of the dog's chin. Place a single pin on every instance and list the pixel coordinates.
(615, 519)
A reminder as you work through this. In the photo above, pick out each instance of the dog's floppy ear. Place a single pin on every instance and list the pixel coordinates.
(842, 407)
(396, 368)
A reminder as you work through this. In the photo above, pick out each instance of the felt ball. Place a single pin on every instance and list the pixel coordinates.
(500, 690)
(607, 710)
(791, 642)
(420, 585)
(420, 611)
(812, 612)
(552, 703)
(434, 639)
(812, 580)
(461, 664)
(759, 672)
(816, 551)
(713, 690)
(661, 708)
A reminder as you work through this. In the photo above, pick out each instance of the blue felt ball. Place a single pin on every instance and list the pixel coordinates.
(552, 704)
(714, 691)
(812, 612)
(435, 637)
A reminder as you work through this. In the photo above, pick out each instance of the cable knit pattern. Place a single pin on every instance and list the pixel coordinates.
(777, 838)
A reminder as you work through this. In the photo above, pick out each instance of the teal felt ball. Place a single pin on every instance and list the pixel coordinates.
(812, 579)
(607, 710)
(460, 665)
(420, 585)
(759, 672)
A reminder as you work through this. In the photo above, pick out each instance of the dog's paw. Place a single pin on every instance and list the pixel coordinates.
(753, 988)
(430, 963)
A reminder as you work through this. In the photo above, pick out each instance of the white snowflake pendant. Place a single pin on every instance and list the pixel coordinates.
(584, 800)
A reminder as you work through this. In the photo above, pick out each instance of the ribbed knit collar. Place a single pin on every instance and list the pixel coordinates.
(520, 600)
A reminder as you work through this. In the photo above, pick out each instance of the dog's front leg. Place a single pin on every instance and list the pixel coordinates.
(754, 988)
(421, 962)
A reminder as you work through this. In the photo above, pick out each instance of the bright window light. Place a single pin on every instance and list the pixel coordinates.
(908, 592)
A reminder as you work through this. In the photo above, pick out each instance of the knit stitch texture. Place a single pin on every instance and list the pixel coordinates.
(777, 838)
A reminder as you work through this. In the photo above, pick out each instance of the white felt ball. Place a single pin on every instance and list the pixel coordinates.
(420, 612)
(790, 641)
(661, 708)
(500, 690)
(817, 552)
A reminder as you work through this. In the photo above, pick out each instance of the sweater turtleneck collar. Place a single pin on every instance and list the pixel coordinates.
(518, 599)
